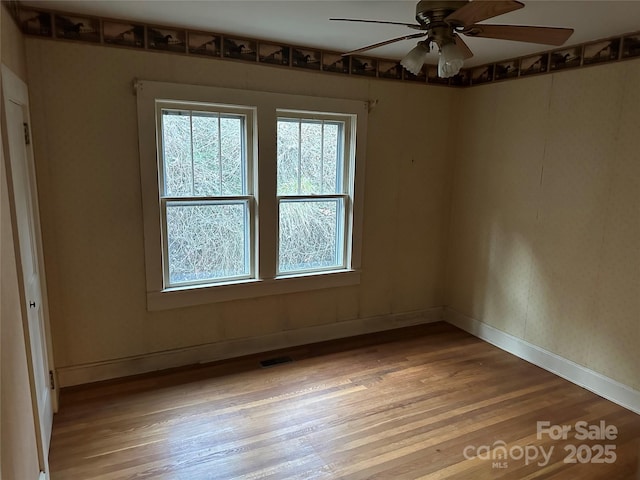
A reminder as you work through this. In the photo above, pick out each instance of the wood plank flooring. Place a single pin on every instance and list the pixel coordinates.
(394, 405)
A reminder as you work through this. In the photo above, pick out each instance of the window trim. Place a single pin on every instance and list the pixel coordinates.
(266, 105)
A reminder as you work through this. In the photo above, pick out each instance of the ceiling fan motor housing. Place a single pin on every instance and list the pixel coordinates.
(432, 13)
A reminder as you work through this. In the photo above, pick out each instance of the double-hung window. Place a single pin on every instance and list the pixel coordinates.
(314, 201)
(206, 193)
(248, 193)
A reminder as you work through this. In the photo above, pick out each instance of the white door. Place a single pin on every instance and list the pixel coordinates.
(22, 178)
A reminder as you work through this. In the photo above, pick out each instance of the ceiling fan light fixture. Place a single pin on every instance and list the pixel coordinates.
(414, 60)
(450, 61)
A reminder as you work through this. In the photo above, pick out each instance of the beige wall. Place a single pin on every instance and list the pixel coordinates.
(84, 125)
(13, 49)
(18, 449)
(545, 229)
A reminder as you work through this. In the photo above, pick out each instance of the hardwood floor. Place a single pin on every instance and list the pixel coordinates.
(395, 405)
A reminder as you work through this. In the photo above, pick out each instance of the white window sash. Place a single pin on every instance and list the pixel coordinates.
(344, 214)
(249, 204)
(219, 110)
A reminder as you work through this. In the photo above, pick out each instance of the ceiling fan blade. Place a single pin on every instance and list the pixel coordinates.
(544, 35)
(387, 42)
(415, 26)
(479, 10)
(463, 46)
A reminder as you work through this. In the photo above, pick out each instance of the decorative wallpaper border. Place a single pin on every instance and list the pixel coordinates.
(141, 36)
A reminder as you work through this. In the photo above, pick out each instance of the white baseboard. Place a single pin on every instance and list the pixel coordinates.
(122, 367)
(591, 380)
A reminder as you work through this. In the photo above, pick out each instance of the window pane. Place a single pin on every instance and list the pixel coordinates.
(232, 155)
(311, 234)
(206, 154)
(332, 158)
(176, 137)
(309, 157)
(288, 156)
(207, 242)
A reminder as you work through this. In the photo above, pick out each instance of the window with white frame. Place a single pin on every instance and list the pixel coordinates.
(206, 199)
(313, 191)
(248, 193)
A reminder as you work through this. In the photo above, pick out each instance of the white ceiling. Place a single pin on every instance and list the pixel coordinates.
(306, 22)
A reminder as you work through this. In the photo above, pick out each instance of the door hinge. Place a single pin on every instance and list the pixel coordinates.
(51, 380)
(27, 138)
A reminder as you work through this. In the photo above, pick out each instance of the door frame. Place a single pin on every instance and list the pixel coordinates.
(16, 91)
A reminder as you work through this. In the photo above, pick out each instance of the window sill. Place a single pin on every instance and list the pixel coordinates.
(200, 295)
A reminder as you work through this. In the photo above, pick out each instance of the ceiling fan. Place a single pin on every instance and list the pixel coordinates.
(443, 21)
